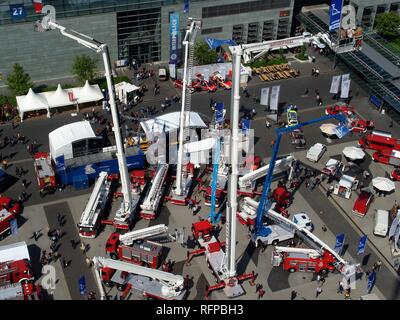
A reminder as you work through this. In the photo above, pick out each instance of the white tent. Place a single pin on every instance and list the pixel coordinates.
(383, 184)
(58, 98)
(328, 128)
(31, 102)
(353, 153)
(169, 122)
(88, 93)
(61, 139)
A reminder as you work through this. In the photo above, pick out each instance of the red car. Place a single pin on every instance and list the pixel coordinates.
(193, 88)
(10, 205)
(347, 110)
(395, 175)
(362, 203)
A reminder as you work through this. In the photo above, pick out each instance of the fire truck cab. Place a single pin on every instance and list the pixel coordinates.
(140, 253)
(44, 170)
(202, 230)
(5, 222)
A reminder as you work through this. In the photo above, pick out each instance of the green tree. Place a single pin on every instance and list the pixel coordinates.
(203, 54)
(19, 81)
(84, 68)
(388, 24)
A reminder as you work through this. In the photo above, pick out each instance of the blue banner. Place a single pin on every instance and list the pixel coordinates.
(339, 243)
(371, 280)
(82, 285)
(335, 14)
(341, 131)
(375, 101)
(173, 38)
(17, 11)
(361, 245)
(245, 126)
(186, 6)
(215, 43)
(219, 112)
(14, 226)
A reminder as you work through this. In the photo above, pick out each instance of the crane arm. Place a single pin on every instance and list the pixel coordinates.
(259, 230)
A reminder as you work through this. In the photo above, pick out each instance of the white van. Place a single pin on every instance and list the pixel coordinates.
(162, 74)
(315, 152)
(381, 223)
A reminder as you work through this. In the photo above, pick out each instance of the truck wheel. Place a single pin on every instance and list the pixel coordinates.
(113, 256)
(108, 284)
(323, 271)
(292, 270)
(121, 287)
(275, 242)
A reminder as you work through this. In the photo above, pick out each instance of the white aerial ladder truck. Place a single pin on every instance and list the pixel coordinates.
(153, 199)
(151, 283)
(123, 215)
(90, 220)
(183, 177)
(247, 182)
(319, 249)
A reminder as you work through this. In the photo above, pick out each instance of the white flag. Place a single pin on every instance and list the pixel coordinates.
(264, 96)
(346, 76)
(345, 89)
(335, 84)
(275, 97)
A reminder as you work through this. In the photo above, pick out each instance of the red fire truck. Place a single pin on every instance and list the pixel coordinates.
(6, 218)
(142, 253)
(20, 291)
(362, 203)
(301, 259)
(10, 205)
(44, 170)
(380, 141)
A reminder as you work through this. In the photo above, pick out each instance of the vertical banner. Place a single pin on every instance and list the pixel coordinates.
(245, 126)
(172, 71)
(275, 97)
(219, 112)
(335, 13)
(345, 89)
(264, 99)
(362, 244)
(186, 4)
(371, 280)
(14, 226)
(335, 84)
(339, 243)
(60, 162)
(173, 38)
(82, 285)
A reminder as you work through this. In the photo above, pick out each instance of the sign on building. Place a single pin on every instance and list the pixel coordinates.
(339, 243)
(174, 38)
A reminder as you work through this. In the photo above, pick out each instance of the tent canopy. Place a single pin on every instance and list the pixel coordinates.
(169, 122)
(64, 136)
(59, 98)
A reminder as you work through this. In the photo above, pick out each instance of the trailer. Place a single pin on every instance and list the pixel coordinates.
(151, 283)
(95, 208)
(131, 247)
(44, 170)
(153, 200)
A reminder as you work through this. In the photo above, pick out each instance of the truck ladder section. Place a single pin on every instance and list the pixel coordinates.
(128, 238)
(172, 285)
(151, 203)
(309, 238)
(309, 252)
(97, 201)
(246, 181)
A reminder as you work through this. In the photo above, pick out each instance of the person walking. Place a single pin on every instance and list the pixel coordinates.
(378, 265)
(293, 295)
(73, 243)
(36, 235)
(340, 287)
(347, 295)
(261, 292)
(318, 291)
(24, 183)
(65, 263)
(324, 229)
